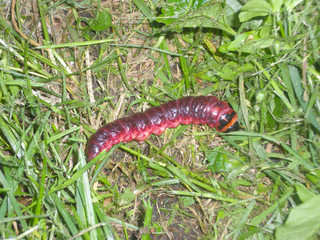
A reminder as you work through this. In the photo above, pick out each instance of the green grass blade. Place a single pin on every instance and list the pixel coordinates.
(296, 82)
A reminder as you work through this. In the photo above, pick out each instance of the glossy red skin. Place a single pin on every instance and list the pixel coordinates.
(197, 110)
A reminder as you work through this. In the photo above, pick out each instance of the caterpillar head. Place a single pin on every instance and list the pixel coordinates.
(228, 122)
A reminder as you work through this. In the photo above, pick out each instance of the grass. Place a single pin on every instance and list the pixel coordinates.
(67, 68)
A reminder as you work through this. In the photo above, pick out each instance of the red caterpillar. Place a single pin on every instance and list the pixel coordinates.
(197, 110)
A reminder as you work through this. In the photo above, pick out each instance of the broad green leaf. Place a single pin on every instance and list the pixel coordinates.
(255, 8)
(257, 5)
(291, 4)
(256, 45)
(231, 70)
(266, 28)
(304, 193)
(210, 15)
(276, 5)
(102, 22)
(234, 5)
(125, 198)
(232, 8)
(237, 43)
(173, 9)
(240, 40)
(302, 223)
(220, 162)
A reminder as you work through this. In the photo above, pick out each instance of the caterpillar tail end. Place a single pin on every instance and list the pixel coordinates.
(92, 151)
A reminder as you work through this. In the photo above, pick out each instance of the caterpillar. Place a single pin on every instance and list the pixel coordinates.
(197, 110)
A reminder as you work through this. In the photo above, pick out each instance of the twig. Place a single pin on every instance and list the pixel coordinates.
(15, 26)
